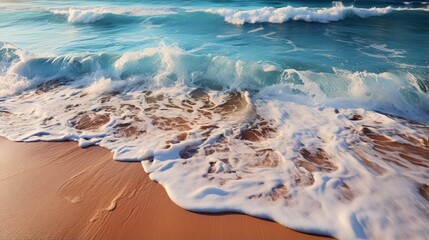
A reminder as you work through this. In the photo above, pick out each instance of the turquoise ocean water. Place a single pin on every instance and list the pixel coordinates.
(247, 106)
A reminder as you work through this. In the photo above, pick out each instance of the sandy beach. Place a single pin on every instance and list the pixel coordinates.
(214, 119)
(57, 190)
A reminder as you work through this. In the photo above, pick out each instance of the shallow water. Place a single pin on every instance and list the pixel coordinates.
(313, 114)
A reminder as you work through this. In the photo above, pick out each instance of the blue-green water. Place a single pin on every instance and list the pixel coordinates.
(321, 37)
(191, 81)
(295, 44)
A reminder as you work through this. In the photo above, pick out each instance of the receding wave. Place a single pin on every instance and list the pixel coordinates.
(322, 15)
(319, 169)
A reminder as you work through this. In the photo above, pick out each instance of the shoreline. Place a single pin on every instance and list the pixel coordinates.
(59, 190)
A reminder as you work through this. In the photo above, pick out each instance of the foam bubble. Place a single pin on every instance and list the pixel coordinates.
(104, 86)
(269, 68)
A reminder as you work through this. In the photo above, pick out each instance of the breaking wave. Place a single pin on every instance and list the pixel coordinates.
(338, 12)
(94, 14)
(315, 151)
(321, 127)
(399, 93)
(322, 15)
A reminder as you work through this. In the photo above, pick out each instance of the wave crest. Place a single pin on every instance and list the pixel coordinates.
(284, 14)
(169, 65)
(94, 14)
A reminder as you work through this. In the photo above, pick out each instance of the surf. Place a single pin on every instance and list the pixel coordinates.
(311, 115)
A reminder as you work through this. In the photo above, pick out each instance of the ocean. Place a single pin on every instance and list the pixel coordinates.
(314, 114)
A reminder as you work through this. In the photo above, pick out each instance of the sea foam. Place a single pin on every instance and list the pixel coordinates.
(320, 127)
(270, 157)
(311, 154)
(399, 93)
(96, 13)
(289, 13)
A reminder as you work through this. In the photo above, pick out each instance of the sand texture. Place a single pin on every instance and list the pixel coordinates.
(57, 190)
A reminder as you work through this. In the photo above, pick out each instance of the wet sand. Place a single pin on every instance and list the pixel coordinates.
(57, 190)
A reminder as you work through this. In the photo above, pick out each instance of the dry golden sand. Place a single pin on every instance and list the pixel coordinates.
(58, 190)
